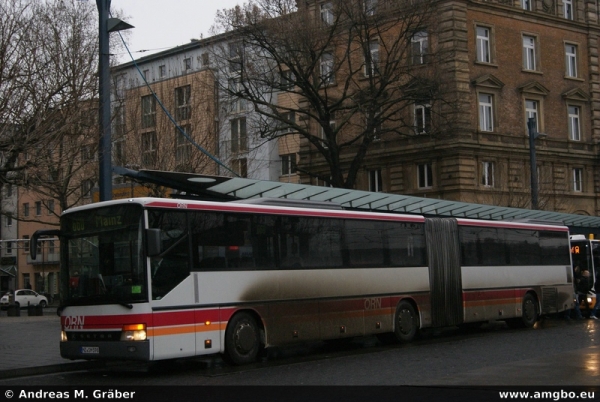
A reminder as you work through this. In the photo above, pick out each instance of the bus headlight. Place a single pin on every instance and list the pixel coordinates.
(134, 332)
(63, 336)
(589, 300)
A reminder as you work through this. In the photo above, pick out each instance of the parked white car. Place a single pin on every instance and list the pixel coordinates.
(23, 298)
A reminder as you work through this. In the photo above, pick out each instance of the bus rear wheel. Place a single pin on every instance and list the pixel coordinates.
(406, 324)
(242, 339)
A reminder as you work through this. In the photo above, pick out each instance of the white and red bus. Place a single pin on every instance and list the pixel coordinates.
(150, 279)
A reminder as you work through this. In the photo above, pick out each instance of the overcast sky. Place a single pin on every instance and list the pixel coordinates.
(163, 24)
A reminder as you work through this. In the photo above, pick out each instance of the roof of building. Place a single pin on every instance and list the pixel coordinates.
(233, 188)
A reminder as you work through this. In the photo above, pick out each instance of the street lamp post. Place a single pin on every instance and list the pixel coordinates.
(533, 135)
(106, 25)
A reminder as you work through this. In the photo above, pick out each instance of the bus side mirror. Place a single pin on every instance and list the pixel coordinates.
(153, 243)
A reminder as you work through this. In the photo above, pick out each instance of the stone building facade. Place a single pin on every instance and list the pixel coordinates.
(511, 60)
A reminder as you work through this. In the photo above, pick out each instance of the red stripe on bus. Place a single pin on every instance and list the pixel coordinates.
(289, 211)
(490, 295)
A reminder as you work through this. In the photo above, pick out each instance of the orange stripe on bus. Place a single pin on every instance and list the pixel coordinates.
(186, 329)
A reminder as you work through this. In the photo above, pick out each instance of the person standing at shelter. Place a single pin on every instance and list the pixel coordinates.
(583, 288)
(576, 281)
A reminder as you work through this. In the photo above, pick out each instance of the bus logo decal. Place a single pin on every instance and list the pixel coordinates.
(373, 303)
(74, 322)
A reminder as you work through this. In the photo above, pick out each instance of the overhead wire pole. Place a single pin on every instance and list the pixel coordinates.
(105, 26)
(533, 135)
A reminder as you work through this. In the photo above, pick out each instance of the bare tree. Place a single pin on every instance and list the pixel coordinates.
(341, 74)
(48, 97)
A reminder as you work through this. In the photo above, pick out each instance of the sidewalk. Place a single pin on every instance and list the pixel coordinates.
(30, 346)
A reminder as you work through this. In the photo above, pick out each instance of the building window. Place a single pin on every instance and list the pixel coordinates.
(370, 7)
(50, 207)
(483, 45)
(578, 180)
(205, 59)
(289, 120)
(526, 5)
(26, 245)
(25, 209)
(119, 120)
(327, 16)
(148, 111)
(240, 166)
(419, 48)
(86, 188)
(162, 71)
(529, 53)
(425, 175)
(38, 208)
(149, 149)
(422, 118)
(287, 80)
(183, 106)
(487, 174)
(326, 67)
(568, 9)
(183, 149)
(235, 56)
(531, 112)
(86, 153)
(9, 247)
(239, 139)
(8, 221)
(324, 138)
(146, 74)
(571, 60)
(574, 127)
(375, 181)
(486, 112)
(119, 151)
(372, 59)
(288, 164)
(187, 64)
(238, 105)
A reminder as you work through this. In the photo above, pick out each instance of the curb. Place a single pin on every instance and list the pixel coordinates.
(51, 369)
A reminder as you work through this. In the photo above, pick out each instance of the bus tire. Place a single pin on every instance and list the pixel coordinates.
(242, 339)
(531, 313)
(406, 322)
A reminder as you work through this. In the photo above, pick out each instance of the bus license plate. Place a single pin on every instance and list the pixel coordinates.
(90, 350)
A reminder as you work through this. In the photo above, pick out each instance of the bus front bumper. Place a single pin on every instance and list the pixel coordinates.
(122, 350)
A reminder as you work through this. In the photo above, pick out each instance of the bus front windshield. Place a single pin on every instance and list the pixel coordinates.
(104, 263)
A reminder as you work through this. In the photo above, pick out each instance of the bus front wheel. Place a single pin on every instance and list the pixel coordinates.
(530, 310)
(406, 324)
(242, 339)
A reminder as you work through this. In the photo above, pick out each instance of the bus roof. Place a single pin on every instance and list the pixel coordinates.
(318, 210)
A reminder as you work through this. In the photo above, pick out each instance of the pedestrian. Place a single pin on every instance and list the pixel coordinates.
(583, 289)
(596, 290)
(576, 309)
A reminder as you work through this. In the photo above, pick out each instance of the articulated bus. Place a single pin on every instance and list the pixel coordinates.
(586, 253)
(150, 279)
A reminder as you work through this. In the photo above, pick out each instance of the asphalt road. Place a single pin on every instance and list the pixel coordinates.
(493, 354)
